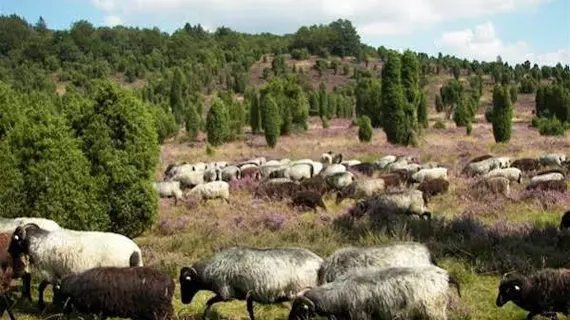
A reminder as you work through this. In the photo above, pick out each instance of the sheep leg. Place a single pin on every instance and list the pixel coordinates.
(27, 286)
(249, 301)
(215, 299)
(42, 287)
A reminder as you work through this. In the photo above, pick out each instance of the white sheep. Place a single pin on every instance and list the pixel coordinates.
(230, 173)
(298, 172)
(332, 170)
(429, 174)
(168, 189)
(350, 163)
(513, 174)
(211, 190)
(326, 158)
(9, 225)
(55, 254)
(361, 189)
(340, 180)
(484, 166)
(552, 159)
(383, 162)
(546, 177)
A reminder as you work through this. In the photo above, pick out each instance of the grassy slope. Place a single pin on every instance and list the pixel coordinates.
(191, 231)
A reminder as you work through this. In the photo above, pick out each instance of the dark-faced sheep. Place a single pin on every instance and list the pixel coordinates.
(308, 199)
(433, 188)
(367, 169)
(544, 292)
(251, 172)
(264, 275)
(421, 292)
(527, 165)
(7, 277)
(139, 293)
(316, 184)
(565, 221)
(392, 180)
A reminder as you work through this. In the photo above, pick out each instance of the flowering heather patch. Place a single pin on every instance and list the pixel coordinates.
(247, 183)
(546, 199)
(168, 225)
(274, 221)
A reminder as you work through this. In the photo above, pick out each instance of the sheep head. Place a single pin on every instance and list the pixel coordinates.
(190, 284)
(19, 248)
(511, 288)
(303, 308)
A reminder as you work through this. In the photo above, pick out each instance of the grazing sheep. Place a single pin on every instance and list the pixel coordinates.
(169, 189)
(299, 172)
(513, 174)
(264, 275)
(252, 172)
(484, 166)
(565, 221)
(432, 188)
(527, 164)
(365, 168)
(554, 185)
(266, 170)
(139, 293)
(188, 176)
(408, 202)
(230, 173)
(337, 158)
(340, 180)
(212, 174)
(495, 185)
(211, 190)
(383, 162)
(332, 170)
(361, 189)
(543, 293)
(245, 166)
(9, 225)
(429, 165)
(350, 163)
(429, 174)
(316, 184)
(54, 254)
(397, 254)
(421, 292)
(552, 159)
(7, 277)
(480, 158)
(546, 176)
(308, 199)
(392, 179)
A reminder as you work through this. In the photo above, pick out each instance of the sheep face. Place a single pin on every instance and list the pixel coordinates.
(60, 299)
(565, 221)
(19, 251)
(510, 289)
(302, 308)
(189, 284)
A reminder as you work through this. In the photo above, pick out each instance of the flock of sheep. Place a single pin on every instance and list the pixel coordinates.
(103, 273)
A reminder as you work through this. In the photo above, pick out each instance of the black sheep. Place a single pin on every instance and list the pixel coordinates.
(527, 164)
(316, 184)
(139, 293)
(544, 293)
(565, 221)
(308, 199)
(367, 169)
(434, 187)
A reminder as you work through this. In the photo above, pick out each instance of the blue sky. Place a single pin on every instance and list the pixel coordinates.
(537, 30)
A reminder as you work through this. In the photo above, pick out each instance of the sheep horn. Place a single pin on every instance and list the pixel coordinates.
(307, 301)
(301, 293)
(508, 274)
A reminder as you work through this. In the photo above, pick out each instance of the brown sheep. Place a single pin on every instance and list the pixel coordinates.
(277, 191)
(316, 184)
(555, 185)
(394, 180)
(527, 164)
(434, 187)
(251, 172)
(308, 199)
(7, 277)
(495, 185)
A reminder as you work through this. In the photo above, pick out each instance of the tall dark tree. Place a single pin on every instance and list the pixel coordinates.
(271, 120)
(393, 102)
(502, 114)
(217, 123)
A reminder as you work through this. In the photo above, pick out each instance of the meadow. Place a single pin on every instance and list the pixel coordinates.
(475, 239)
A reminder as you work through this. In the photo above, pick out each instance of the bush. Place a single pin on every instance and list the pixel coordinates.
(550, 127)
(461, 116)
(271, 121)
(365, 129)
(502, 114)
(217, 123)
(528, 85)
(513, 91)
(489, 114)
(468, 128)
(439, 125)
(300, 54)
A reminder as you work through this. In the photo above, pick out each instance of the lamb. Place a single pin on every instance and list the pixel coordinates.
(527, 164)
(432, 188)
(429, 174)
(139, 293)
(54, 254)
(230, 173)
(552, 159)
(169, 189)
(361, 189)
(544, 292)
(264, 275)
(188, 176)
(211, 190)
(308, 199)
(9, 225)
(496, 185)
(513, 174)
(397, 254)
(421, 292)
(554, 185)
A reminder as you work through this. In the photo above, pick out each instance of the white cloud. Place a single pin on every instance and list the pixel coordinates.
(113, 20)
(483, 43)
(372, 17)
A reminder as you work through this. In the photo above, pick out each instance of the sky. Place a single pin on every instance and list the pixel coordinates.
(517, 30)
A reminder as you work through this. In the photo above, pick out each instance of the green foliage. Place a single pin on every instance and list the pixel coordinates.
(502, 114)
(439, 125)
(325, 122)
(210, 150)
(451, 94)
(489, 114)
(278, 65)
(192, 122)
(177, 96)
(271, 120)
(164, 121)
(550, 127)
(528, 85)
(369, 100)
(411, 77)
(393, 102)
(365, 130)
(252, 97)
(339, 38)
(462, 116)
(217, 123)
(553, 101)
(300, 54)
(439, 107)
(468, 128)
(513, 91)
(423, 111)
